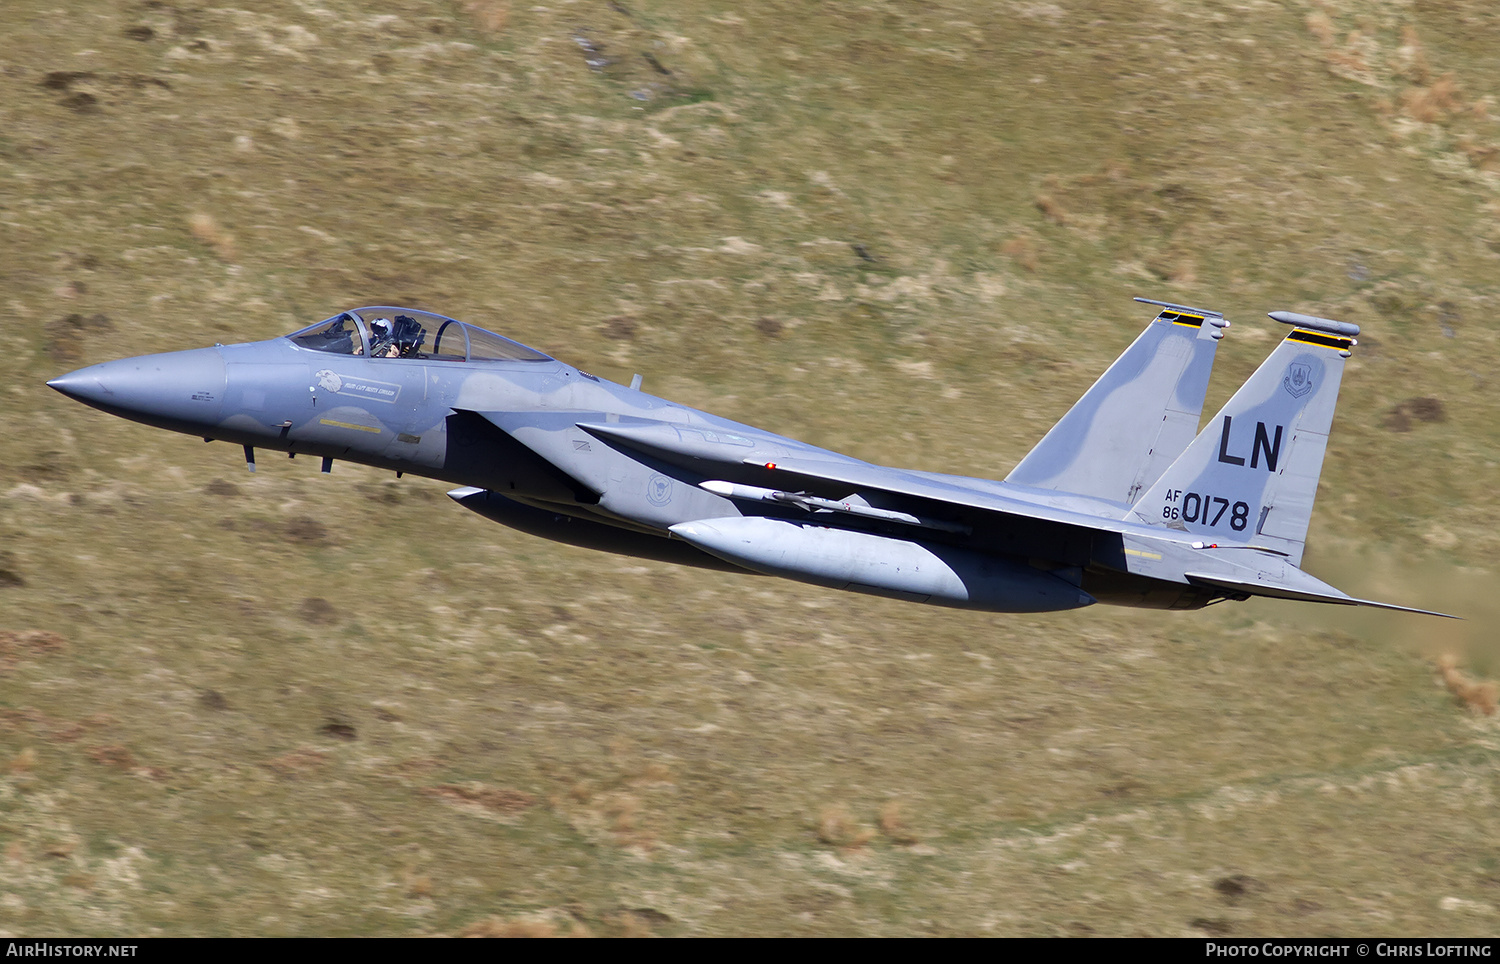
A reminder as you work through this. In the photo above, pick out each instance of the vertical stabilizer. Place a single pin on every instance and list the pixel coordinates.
(1137, 418)
(1251, 475)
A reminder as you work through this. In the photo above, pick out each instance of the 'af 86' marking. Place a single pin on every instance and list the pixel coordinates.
(1207, 509)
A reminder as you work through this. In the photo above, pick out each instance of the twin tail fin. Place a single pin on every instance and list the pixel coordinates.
(1251, 475)
(1137, 418)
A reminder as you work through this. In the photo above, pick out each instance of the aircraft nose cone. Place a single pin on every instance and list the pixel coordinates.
(181, 390)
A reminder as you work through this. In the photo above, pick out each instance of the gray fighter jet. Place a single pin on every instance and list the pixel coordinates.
(1122, 502)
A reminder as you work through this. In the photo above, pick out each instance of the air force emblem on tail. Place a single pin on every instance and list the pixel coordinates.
(1298, 379)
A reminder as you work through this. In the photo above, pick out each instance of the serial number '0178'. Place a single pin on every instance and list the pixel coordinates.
(1207, 509)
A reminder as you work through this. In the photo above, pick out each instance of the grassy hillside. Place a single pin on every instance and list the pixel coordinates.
(297, 704)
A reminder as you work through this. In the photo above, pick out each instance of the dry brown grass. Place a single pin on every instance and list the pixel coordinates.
(204, 227)
(1051, 209)
(1433, 103)
(623, 812)
(654, 773)
(30, 642)
(1176, 268)
(1350, 60)
(1479, 697)
(634, 925)
(23, 762)
(1482, 157)
(893, 824)
(1022, 251)
(496, 927)
(498, 799)
(836, 827)
(1322, 28)
(113, 755)
(415, 885)
(490, 16)
(298, 762)
(1411, 57)
(80, 880)
(624, 817)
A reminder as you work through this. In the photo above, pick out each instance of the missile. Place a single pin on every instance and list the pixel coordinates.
(881, 565)
(810, 503)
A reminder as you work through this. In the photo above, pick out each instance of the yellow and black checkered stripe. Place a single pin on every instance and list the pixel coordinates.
(1305, 337)
(1182, 318)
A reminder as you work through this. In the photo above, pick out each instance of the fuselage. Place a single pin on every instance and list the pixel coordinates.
(553, 450)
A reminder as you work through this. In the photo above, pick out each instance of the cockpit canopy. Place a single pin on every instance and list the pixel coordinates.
(385, 332)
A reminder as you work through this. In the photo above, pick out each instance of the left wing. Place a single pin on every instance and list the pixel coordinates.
(943, 505)
(973, 513)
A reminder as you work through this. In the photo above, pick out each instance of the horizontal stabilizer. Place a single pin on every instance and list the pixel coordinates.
(1304, 595)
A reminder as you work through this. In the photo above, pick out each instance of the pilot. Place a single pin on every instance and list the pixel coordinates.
(384, 345)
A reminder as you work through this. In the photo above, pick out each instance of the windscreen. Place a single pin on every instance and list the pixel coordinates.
(339, 335)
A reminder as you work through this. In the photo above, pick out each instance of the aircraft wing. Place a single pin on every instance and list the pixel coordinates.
(865, 477)
(994, 522)
(943, 504)
(831, 477)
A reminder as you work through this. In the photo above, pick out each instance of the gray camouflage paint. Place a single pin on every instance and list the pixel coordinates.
(1152, 394)
(552, 450)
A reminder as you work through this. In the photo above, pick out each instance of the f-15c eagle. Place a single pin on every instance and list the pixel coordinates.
(1124, 501)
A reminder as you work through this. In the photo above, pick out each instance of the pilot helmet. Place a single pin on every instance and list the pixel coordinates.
(381, 327)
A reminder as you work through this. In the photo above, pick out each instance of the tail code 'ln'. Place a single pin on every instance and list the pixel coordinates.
(1252, 474)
